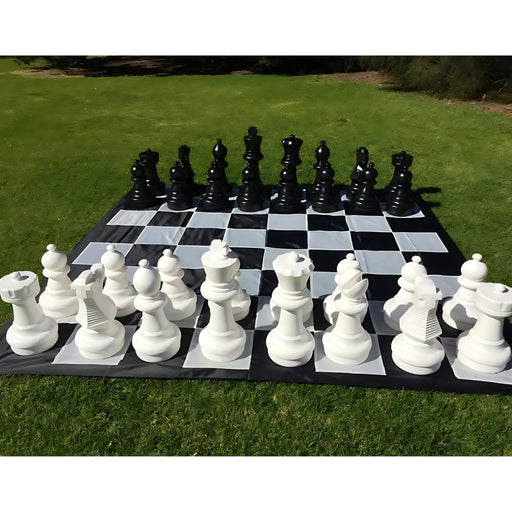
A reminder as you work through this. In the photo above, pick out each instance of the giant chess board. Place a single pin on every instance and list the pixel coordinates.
(382, 245)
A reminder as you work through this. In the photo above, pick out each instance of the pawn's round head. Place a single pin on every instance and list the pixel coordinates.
(54, 259)
(146, 279)
(112, 259)
(475, 269)
(168, 262)
(413, 269)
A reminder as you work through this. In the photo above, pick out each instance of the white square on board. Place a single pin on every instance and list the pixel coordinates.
(190, 255)
(376, 312)
(160, 235)
(245, 237)
(209, 220)
(95, 250)
(426, 242)
(287, 221)
(132, 217)
(331, 240)
(322, 284)
(380, 262)
(369, 223)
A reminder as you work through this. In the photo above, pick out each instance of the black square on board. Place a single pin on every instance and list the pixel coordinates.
(201, 236)
(119, 234)
(247, 221)
(170, 219)
(287, 239)
(268, 282)
(327, 223)
(443, 263)
(381, 287)
(371, 241)
(152, 253)
(326, 261)
(249, 257)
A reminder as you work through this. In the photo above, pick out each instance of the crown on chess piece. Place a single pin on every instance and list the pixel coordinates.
(149, 156)
(252, 145)
(291, 146)
(184, 153)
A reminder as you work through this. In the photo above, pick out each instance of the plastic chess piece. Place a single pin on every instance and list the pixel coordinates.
(117, 286)
(330, 309)
(396, 307)
(461, 312)
(483, 348)
(399, 161)
(365, 200)
(241, 302)
(180, 195)
(222, 339)
(416, 349)
(289, 196)
(182, 300)
(157, 339)
(216, 196)
(58, 299)
(355, 178)
(347, 342)
(289, 343)
(325, 197)
(140, 196)
(401, 197)
(250, 196)
(31, 332)
(149, 159)
(184, 160)
(100, 335)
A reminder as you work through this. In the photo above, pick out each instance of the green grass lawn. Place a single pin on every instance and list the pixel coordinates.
(67, 144)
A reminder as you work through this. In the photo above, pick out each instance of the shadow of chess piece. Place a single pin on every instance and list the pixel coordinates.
(250, 197)
(365, 201)
(216, 196)
(184, 159)
(149, 159)
(288, 198)
(179, 196)
(325, 198)
(401, 197)
(399, 161)
(357, 174)
(140, 196)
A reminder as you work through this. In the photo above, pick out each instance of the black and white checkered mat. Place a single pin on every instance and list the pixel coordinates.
(382, 245)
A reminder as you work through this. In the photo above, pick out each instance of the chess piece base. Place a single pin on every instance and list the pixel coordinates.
(159, 346)
(56, 306)
(290, 351)
(100, 345)
(347, 350)
(33, 340)
(222, 347)
(480, 356)
(416, 357)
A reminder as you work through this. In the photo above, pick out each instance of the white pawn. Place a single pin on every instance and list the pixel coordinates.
(417, 350)
(100, 335)
(289, 343)
(330, 310)
(31, 332)
(157, 339)
(396, 307)
(222, 339)
(182, 300)
(460, 312)
(483, 348)
(241, 302)
(347, 342)
(58, 299)
(117, 286)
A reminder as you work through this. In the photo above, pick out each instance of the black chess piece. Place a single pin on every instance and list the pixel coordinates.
(141, 195)
(325, 199)
(288, 198)
(357, 174)
(149, 160)
(399, 161)
(184, 160)
(401, 198)
(250, 196)
(216, 196)
(365, 201)
(180, 193)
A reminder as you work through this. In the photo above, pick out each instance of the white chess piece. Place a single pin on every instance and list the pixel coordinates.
(416, 349)
(289, 343)
(31, 332)
(117, 286)
(483, 348)
(330, 310)
(241, 302)
(58, 299)
(157, 339)
(182, 300)
(347, 342)
(100, 335)
(460, 312)
(396, 307)
(222, 339)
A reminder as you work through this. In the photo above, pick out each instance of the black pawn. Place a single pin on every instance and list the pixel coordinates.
(357, 174)
(401, 198)
(366, 202)
(141, 195)
(184, 160)
(149, 160)
(216, 196)
(324, 198)
(400, 161)
(179, 196)
(250, 197)
(288, 198)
